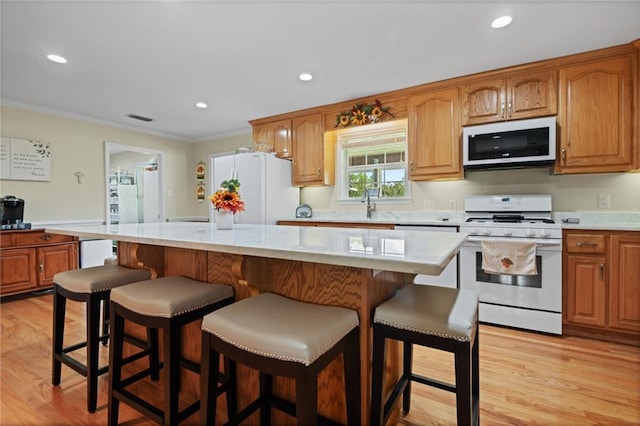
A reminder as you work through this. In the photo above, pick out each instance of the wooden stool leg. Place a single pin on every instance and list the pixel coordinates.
(208, 382)
(105, 322)
(306, 397)
(464, 406)
(172, 342)
(353, 388)
(475, 374)
(154, 349)
(115, 362)
(93, 344)
(377, 368)
(232, 390)
(407, 364)
(59, 309)
(266, 382)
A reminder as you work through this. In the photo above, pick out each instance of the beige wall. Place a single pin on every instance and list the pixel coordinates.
(569, 192)
(79, 146)
(200, 152)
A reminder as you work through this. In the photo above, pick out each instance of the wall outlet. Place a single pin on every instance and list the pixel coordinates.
(604, 201)
(428, 204)
(453, 205)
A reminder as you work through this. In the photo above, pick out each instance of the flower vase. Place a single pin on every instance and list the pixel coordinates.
(224, 219)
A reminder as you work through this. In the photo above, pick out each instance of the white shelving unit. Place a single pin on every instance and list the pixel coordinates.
(121, 186)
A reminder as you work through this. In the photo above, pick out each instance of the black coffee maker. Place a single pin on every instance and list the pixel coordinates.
(11, 210)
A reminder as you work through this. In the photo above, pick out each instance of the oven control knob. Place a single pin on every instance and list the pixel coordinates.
(529, 233)
(473, 231)
(507, 232)
(544, 234)
(486, 232)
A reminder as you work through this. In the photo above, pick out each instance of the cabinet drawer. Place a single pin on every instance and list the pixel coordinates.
(585, 243)
(6, 240)
(40, 238)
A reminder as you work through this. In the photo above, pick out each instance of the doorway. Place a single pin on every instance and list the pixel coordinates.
(134, 190)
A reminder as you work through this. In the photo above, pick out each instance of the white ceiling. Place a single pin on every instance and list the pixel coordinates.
(157, 58)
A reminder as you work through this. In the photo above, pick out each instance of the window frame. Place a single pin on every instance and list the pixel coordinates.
(343, 135)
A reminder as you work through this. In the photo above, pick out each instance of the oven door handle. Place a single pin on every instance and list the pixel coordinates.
(539, 243)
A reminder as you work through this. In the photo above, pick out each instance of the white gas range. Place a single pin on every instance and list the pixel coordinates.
(531, 302)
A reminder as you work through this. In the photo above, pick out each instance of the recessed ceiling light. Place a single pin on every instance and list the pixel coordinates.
(305, 76)
(201, 105)
(57, 59)
(501, 22)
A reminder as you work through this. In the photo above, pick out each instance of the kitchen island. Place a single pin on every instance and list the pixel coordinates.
(353, 268)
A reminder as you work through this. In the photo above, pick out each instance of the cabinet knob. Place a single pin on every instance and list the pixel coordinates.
(411, 165)
(502, 110)
(319, 172)
(41, 267)
(602, 270)
(564, 155)
(510, 110)
(45, 237)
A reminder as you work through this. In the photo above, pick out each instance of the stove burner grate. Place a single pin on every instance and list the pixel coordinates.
(510, 218)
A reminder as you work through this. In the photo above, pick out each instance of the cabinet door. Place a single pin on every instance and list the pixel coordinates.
(54, 259)
(277, 135)
(434, 135)
(624, 312)
(595, 117)
(532, 95)
(586, 291)
(308, 150)
(484, 101)
(17, 270)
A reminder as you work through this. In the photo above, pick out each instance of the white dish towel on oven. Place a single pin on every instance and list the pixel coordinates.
(509, 257)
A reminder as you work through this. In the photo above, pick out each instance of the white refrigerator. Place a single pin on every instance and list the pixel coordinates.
(265, 186)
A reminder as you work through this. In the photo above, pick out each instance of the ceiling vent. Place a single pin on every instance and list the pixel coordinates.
(139, 117)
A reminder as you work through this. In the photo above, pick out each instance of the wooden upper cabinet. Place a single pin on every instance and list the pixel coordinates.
(596, 116)
(311, 159)
(276, 134)
(434, 135)
(510, 97)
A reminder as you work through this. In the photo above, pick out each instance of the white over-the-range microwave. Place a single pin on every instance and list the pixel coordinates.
(510, 144)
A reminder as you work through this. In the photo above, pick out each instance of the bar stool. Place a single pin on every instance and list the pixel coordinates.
(435, 317)
(279, 336)
(166, 303)
(91, 286)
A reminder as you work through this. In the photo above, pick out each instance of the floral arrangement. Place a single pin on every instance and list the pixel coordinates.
(362, 114)
(227, 197)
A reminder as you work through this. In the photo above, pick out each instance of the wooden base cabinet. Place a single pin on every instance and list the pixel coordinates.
(602, 285)
(30, 259)
(624, 311)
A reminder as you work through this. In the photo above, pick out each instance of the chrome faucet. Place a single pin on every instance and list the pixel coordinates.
(366, 197)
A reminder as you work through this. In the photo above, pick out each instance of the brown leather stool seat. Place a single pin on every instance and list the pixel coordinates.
(436, 317)
(91, 286)
(166, 303)
(283, 337)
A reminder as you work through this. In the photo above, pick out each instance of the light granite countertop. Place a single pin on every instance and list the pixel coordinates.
(617, 221)
(390, 250)
(605, 221)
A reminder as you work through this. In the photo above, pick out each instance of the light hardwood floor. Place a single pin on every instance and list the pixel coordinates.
(525, 378)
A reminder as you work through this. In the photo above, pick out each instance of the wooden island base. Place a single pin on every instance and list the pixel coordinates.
(359, 289)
